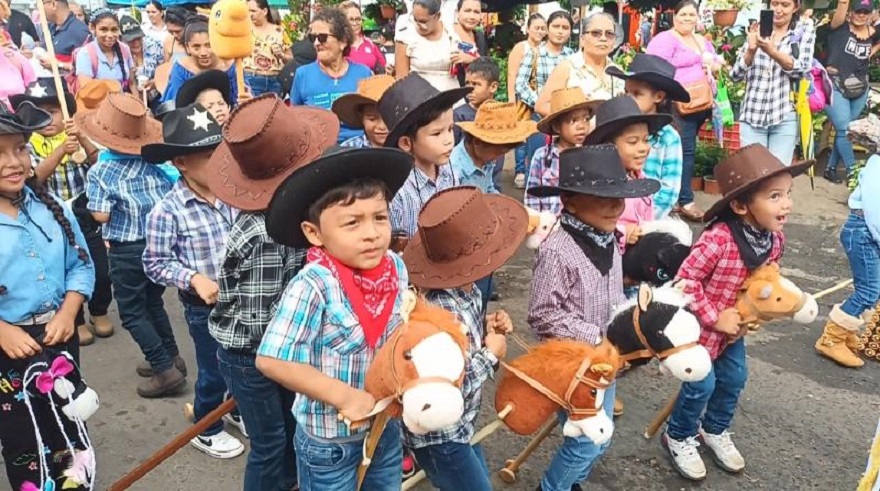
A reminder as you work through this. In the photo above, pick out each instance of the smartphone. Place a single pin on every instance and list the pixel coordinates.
(465, 47)
(766, 24)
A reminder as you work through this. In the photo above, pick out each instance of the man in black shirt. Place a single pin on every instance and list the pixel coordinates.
(17, 23)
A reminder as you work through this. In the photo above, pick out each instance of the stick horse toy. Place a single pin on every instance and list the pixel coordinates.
(230, 32)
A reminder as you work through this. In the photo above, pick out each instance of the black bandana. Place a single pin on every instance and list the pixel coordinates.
(597, 246)
(754, 245)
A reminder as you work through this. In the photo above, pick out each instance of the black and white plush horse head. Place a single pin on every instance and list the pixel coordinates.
(658, 254)
(657, 325)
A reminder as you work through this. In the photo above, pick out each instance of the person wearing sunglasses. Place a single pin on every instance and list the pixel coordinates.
(331, 75)
(427, 46)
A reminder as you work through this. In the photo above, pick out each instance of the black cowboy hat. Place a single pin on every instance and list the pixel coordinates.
(163, 109)
(209, 79)
(619, 112)
(185, 131)
(410, 98)
(655, 71)
(26, 119)
(595, 170)
(42, 91)
(336, 167)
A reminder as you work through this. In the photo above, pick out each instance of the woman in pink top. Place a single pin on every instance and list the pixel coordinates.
(16, 73)
(694, 59)
(363, 50)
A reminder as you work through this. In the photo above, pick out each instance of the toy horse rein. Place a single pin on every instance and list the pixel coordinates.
(648, 351)
(577, 380)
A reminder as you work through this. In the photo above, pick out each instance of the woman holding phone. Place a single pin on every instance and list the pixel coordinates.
(426, 47)
(472, 44)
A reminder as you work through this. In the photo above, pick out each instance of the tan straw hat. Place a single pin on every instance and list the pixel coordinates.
(370, 90)
(121, 123)
(563, 101)
(497, 122)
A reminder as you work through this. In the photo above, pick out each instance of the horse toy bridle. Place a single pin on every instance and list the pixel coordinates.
(648, 351)
(578, 379)
(402, 387)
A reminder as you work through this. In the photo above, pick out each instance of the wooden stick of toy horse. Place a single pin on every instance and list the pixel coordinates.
(230, 32)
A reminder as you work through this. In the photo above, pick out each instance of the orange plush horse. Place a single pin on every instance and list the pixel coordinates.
(766, 295)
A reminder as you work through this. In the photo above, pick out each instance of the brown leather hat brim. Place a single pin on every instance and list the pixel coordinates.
(348, 109)
(519, 134)
(118, 143)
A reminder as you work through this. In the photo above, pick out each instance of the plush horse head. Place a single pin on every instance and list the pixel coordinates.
(657, 325)
(541, 223)
(660, 251)
(767, 295)
(230, 29)
(420, 369)
(560, 374)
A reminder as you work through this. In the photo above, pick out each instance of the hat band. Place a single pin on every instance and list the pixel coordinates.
(495, 126)
(210, 140)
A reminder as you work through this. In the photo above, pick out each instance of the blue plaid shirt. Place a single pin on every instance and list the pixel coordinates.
(359, 141)
(413, 195)
(315, 325)
(185, 236)
(468, 173)
(467, 306)
(546, 63)
(544, 171)
(126, 187)
(664, 163)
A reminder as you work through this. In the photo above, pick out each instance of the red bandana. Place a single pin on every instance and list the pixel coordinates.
(371, 292)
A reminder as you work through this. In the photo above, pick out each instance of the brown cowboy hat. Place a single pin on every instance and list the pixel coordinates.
(744, 170)
(121, 123)
(463, 236)
(563, 101)
(264, 141)
(497, 123)
(370, 90)
(93, 92)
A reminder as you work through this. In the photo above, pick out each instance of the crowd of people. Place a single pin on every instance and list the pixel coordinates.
(292, 214)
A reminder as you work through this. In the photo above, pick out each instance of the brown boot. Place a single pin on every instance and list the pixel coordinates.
(832, 344)
(85, 335)
(103, 326)
(618, 407)
(166, 382)
(146, 371)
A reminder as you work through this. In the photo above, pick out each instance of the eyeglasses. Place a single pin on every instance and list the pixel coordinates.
(424, 23)
(322, 38)
(355, 20)
(597, 34)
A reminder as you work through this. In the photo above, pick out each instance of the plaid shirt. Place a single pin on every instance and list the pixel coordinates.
(768, 87)
(252, 278)
(69, 179)
(713, 274)
(467, 305)
(664, 164)
(126, 187)
(569, 298)
(544, 173)
(154, 55)
(185, 236)
(546, 63)
(315, 325)
(359, 141)
(413, 195)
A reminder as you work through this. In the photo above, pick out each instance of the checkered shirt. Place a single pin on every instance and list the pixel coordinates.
(315, 325)
(252, 278)
(413, 195)
(546, 63)
(154, 55)
(126, 187)
(569, 298)
(713, 274)
(69, 179)
(359, 141)
(768, 87)
(185, 236)
(543, 172)
(467, 306)
(664, 164)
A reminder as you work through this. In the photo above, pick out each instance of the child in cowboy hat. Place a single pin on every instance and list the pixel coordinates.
(212, 90)
(444, 260)
(338, 310)
(483, 75)
(578, 277)
(568, 124)
(419, 120)
(650, 81)
(358, 110)
(255, 270)
(122, 188)
(186, 235)
(744, 233)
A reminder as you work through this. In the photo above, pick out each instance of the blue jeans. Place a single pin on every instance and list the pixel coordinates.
(485, 285)
(265, 409)
(455, 466)
(717, 395)
(210, 390)
(533, 143)
(841, 112)
(140, 305)
(261, 84)
(332, 465)
(519, 158)
(863, 253)
(780, 138)
(576, 457)
(689, 126)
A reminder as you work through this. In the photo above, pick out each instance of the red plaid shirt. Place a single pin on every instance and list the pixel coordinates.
(713, 274)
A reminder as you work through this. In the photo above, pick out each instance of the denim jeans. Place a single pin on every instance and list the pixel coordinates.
(841, 112)
(689, 126)
(455, 466)
(717, 394)
(262, 84)
(485, 285)
(210, 389)
(576, 457)
(863, 253)
(332, 465)
(519, 159)
(780, 138)
(264, 407)
(140, 305)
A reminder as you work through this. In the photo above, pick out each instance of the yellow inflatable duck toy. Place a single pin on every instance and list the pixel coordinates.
(231, 33)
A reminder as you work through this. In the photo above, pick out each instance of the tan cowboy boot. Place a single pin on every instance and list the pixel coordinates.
(103, 326)
(85, 335)
(832, 344)
(618, 407)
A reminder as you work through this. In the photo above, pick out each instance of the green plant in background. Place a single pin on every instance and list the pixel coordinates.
(296, 22)
(852, 180)
(730, 4)
(374, 10)
(501, 93)
(706, 157)
(625, 56)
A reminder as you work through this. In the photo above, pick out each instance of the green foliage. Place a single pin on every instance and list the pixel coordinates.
(852, 180)
(501, 93)
(706, 157)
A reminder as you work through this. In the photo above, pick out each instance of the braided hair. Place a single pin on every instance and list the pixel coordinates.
(105, 13)
(58, 213)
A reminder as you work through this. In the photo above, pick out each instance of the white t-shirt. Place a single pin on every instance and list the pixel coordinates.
(447, 15)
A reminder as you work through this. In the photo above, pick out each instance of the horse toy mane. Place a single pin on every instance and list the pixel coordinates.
(767, 295)
(659, 252)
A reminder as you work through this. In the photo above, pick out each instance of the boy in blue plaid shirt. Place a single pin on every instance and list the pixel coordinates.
(338, 310)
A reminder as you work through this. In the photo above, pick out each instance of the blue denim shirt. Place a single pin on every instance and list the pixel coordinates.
(469, 174)
(39, 265)
(866, 197)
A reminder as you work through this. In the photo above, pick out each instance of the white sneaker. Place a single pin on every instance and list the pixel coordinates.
(520, 181)
(724, 452)
(220, 446)
(237, 422)
(685, 456)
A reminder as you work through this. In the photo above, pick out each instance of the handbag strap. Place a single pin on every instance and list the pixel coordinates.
(533, 74)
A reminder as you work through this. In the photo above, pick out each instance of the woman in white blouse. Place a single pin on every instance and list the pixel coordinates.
(427, 47)
(155, 26)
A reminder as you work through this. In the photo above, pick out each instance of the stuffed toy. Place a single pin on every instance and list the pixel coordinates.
(767, 295)
(572, 375)
(659, 252)
(230, 32)
(540, 226)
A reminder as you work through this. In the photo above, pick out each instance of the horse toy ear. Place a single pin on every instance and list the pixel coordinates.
(410, 299)
(645, 297)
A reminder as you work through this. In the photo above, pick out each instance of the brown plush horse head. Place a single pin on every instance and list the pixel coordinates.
(560, 374)
(767, 295)
(420, 368)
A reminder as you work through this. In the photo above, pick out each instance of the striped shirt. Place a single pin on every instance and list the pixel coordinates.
(664, 163)
(359, 141)
(126, 187)
(315, 325)
(69, 179)
(412, 196)
(544, 172)
(186, 236)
